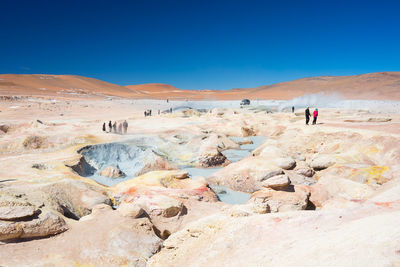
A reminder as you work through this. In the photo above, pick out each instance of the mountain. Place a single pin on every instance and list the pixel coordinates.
(379, 86)
(60, 85)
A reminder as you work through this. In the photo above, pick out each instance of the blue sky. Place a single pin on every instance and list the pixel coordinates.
(199, 44)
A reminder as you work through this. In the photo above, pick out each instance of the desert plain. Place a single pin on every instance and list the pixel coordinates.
(212, 183)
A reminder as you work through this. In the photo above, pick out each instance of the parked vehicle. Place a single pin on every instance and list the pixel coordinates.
(245, 102)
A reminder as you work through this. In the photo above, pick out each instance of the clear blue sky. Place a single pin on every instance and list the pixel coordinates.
(199, 44)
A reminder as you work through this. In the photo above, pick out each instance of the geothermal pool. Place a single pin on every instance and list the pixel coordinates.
(224, 193)
(130, 157)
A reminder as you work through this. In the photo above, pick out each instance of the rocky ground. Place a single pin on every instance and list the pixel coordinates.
(319, 194)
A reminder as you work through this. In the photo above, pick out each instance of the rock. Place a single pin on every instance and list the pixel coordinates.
(246, 131)
(245, 141)
(159, 205)
(47, 224)
(212, 159)
(209, 153)
(308, 172)
(346, 188)
(245, 175)
(72, 198)
(4, 128)
(260, 205)
(298, 179)
(39, 166)
(279, 201)
(34, 142)
(112, 172)
(180, 174)
(130, 210)
(379, 119)
(277, 182)
(285, 163)
(268, 174)
(155, 163)
(321, 162)
(16, 210)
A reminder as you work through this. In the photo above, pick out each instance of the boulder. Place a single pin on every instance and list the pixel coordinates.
(72, 198)
(245, 141)
(34, 142)
(285, 163)
(16, 210)
(212, 158)
(245, 175)
(130, 210)
(159, 205)
(247, 131)
(46, 224)
(260, 206)
(305, 171)
(321, 162)
(112, 172)
(298, 179)
(278, 182)
(279, 201)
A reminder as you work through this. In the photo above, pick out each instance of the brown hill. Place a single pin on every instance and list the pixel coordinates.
(380, 85)
(60, 85)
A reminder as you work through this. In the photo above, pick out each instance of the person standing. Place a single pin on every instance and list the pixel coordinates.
(104, 127)
(115, 127)
(315, 113)
(308, 115)
(125, 126)
(110, 126)
(120, 128)
(292, 109)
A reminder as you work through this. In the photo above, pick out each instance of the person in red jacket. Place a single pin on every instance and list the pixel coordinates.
(315, 114)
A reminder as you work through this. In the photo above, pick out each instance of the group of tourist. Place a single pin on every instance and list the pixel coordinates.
(308, 115)
(120, 128)
(148, 112)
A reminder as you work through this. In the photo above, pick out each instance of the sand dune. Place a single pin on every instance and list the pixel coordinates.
(379, 86)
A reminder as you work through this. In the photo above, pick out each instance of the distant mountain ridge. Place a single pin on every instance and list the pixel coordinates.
(378, 85)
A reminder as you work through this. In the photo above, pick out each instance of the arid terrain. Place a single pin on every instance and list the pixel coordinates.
(202, 181)
(377, 86)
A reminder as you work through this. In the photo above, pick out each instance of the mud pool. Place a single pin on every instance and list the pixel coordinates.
(224, 193)
(132, 156)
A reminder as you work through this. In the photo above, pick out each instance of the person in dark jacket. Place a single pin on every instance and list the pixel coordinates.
(308, 115)
(293, 109)
(110, 126)
(104, 127)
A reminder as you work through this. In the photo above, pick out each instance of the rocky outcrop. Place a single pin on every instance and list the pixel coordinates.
(46, 224)
(112, 172)
(212, 158)
(247, 131)
(285, 163)
(12, 209)
(34, 142)
(71, 198)
(159, 205)
(279, 201)
(321, 162)
(279, 182)
(246, 175)
(20, 219)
